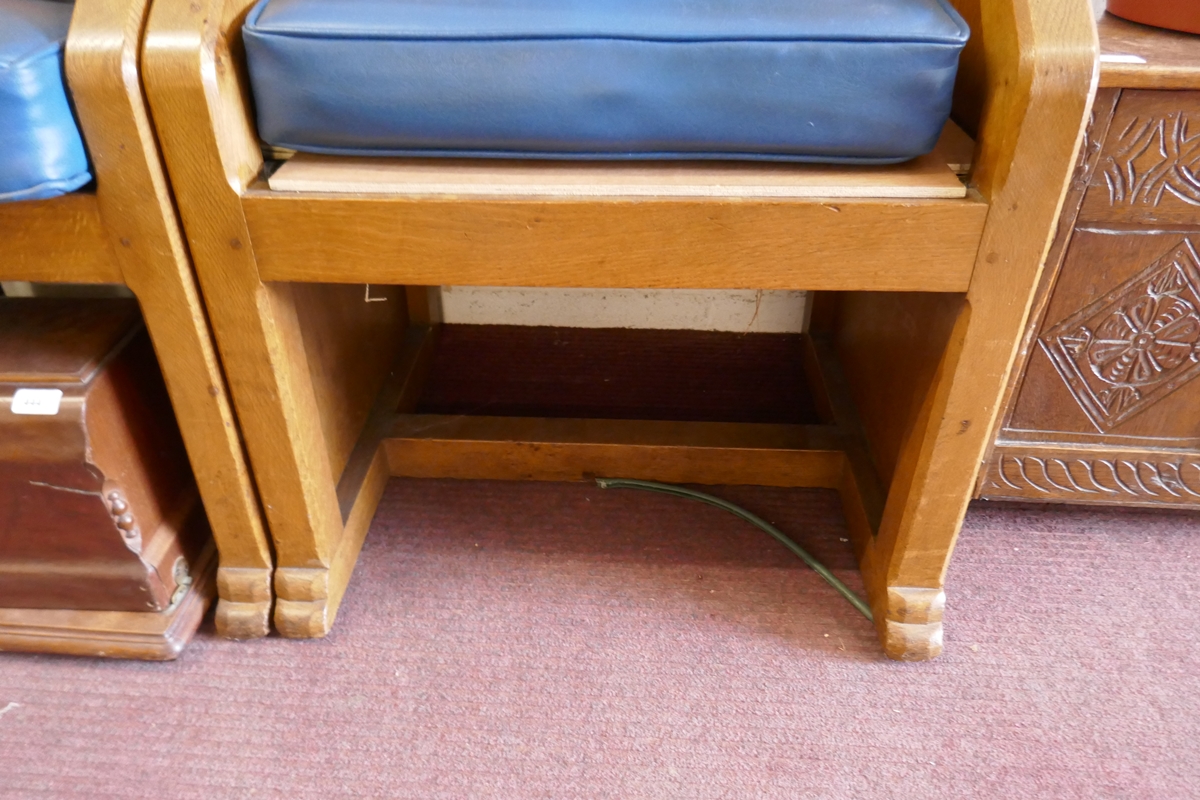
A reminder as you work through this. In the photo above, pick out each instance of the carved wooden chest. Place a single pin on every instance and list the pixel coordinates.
(95, 488)
(1104, 405)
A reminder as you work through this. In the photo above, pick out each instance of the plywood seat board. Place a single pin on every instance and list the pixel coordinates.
(930, 176)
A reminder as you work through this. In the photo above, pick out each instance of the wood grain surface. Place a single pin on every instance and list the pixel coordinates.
(57, 240)
(1024, 93)
(697, 243)
(159, 636)
(102, 61)
(350, 343)
(185, 59)
(927, 176)
(1146, 175)
(527, 448)
(1134, 56)
(1103, 407)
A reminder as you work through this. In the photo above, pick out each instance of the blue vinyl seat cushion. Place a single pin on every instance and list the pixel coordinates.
(806, 80)
(41, 150)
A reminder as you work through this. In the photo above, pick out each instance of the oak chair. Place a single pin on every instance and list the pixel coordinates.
(919, 307)
(123, 229)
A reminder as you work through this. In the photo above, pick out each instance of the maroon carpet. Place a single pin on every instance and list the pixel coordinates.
(550, 640)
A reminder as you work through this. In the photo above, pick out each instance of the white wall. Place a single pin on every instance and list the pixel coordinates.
(690, 309)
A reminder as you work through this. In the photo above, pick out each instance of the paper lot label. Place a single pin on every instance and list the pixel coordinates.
(39, 402)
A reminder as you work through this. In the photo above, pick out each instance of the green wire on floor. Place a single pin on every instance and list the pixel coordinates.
(753, 519)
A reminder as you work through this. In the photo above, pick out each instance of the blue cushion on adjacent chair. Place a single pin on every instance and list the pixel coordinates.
(41, 150)
(806, 80)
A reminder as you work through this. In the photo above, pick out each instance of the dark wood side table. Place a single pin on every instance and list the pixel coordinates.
(1103, 405)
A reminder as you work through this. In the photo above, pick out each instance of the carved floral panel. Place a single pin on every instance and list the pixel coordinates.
(1155, 156)
(1138, 343)
(1149, 169)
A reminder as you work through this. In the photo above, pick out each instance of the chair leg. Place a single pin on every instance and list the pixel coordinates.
(309, 598)
(927, 440)
(934, 478)
(910, 626)
(214, 446)
(349, 338)
(243, 602)
(140, 220)
(900, 355)
(936, 450)
(264, 353)
(262, 349)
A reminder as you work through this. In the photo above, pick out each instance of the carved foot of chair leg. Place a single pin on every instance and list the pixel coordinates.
(243, 620)
(302, 619)
(911, 627)
(906, 641)
(302, 607)
(244, 604)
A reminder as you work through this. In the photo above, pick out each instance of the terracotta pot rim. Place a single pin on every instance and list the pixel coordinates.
(1178, 15)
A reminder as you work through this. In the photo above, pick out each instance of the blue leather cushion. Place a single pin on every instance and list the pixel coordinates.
(807, 80)
(41, 150)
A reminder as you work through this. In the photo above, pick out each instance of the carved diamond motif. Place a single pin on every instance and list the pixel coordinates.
(1155, 156)
(1135, 345)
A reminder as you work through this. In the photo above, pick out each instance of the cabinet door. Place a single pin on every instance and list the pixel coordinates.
(1109, 407)
(1119, 347)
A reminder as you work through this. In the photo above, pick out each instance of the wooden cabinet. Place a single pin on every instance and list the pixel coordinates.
(94, 482)
(1104, 405)
(104, 548)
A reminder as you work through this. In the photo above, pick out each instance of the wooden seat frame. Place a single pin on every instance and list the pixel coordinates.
(126, 231)
(919, 310)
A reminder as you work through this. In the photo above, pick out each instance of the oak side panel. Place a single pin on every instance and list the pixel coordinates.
(191, 71)
(1031, 129)
(990, 92)
(351, 337)
(889, 346)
